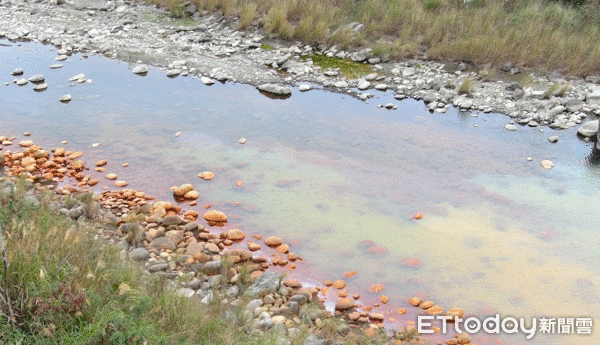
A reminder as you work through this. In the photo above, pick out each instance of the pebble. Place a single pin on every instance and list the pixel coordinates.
(177, 134)
(111, 176)
(141, 69)
(510, 127)
(120, 183)
(65, 98)
(95, 145)
(56, 66)
(38, 78)
(207, 80)
(546, 164)
(553, 139)
(21, 82)
(529, 158)
(40, 87)
(273, 241)
(215, 216)
(17, 71)
(101, 163)
(206, 175)
(304, 87)
(242, 141)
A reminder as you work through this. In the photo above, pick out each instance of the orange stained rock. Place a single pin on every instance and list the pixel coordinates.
(258, 237)
(418, 215)
(376, 288)
(284, 248)
(401, 311)
(239, 183)
(356, 296)
(339, 284)
(415, 301)
(343, 293)
(207, 206)
(384, 299)
(350, 274)
(328, 283)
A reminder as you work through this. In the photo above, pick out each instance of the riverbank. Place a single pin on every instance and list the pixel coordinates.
(213, 48)
(86, 268)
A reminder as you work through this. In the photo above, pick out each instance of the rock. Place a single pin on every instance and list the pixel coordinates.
(593, 98)
(415, 301)
(339, 284)
(192, 195)
(141, 69)
(341, 84)
(139, 254)
(546, 164)
(186, 292)
(435, 310)
(304, 87)
(206, 175)
(376, 317)
(344, 304)
(242, 141)
(77, 77)
(455, 313)
(267, 282)
(101, 163)
(120, 183)
(171, 220)
(212, 268)
(207, 80)
(589, 129)
(275, 89)
(553, 139)
(25, 143)
(17, 71)
(254, 246)
(162, 243)
(40, 87)
(111, 176)
(381, 87)
(36, 79)
(56, 66)
(235, 235)
(182, 190)
(315, 340)
(213, 216)
(510, 127)
(172, 73)
(273, 241)
(22, 81)
(158, 267)
(364, 85)
(574, 105)
(65, 98)
(75, 213)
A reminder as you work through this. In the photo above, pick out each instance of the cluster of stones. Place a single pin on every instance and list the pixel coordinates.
(37, 165)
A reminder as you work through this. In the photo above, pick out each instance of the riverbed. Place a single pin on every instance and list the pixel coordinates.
(341, 179)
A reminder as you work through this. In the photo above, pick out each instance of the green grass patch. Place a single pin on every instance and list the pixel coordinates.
(67, 287)
(348, 68)
(266, 47)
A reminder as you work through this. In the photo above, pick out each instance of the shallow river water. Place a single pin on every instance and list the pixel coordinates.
(340, 179)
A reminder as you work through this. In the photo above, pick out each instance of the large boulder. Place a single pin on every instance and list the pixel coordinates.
(267, 282)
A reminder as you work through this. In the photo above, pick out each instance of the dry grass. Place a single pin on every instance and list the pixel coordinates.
(531, 33)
